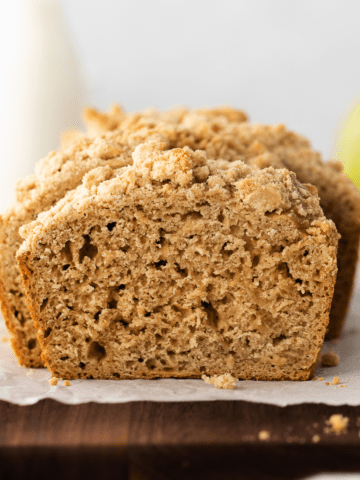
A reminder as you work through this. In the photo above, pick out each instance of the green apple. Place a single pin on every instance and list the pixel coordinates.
(347, 147)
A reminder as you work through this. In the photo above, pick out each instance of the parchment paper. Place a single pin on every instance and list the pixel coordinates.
(26, 387)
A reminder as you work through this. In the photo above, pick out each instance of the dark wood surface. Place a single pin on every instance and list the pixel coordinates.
(200, 440)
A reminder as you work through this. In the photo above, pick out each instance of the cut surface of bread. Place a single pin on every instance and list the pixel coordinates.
(224, 133)
(179, 266)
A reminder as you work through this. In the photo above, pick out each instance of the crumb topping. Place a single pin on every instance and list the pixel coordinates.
(330, 359)
(264, 435)
(226, 381)
(338, 423)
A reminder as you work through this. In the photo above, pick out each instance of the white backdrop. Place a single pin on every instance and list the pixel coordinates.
(295, 62)
(282, 61)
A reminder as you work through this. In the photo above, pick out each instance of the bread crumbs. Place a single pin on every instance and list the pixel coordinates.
(316, 439)
(53, 381)
(338, 423)
(4, 339)
(321, 379)
(336, 381)
(226, 381)
(66, 383)
(330, 359)
(264, 435)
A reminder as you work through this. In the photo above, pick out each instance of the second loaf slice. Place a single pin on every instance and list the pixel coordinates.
(178, 266)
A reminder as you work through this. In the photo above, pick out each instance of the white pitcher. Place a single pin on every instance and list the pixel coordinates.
(41, 88)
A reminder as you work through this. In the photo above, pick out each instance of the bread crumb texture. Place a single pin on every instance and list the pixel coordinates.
(264, 435)
(330, 359)
(53, 381)
(66, 383)
(338, 423)
(180, 266)
(226, 381)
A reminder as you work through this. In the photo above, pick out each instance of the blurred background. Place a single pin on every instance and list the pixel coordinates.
(291, 62)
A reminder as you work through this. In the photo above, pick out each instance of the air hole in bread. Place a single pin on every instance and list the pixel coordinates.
(150, 364)
(96, 351)
(87, 250)
(66, 252)
(47, 332)
(278, 339)
(183, 271)
(161, 263)
(255, 261)
(112, 304)
(44, 303)
(161, 241)
(31, 344)
(111, 226)
(176, 308)
(212, 314)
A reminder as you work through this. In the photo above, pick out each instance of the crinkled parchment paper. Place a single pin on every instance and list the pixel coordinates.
(25, 387)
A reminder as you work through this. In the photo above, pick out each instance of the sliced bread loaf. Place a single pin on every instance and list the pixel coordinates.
(224, 133)
(178, 266)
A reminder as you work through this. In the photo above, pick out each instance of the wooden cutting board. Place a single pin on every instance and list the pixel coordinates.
(200, 440)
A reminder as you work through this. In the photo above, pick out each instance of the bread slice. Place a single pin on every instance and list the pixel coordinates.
(116, 135)
(224, 133)
(55, 175)
(178, 266)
